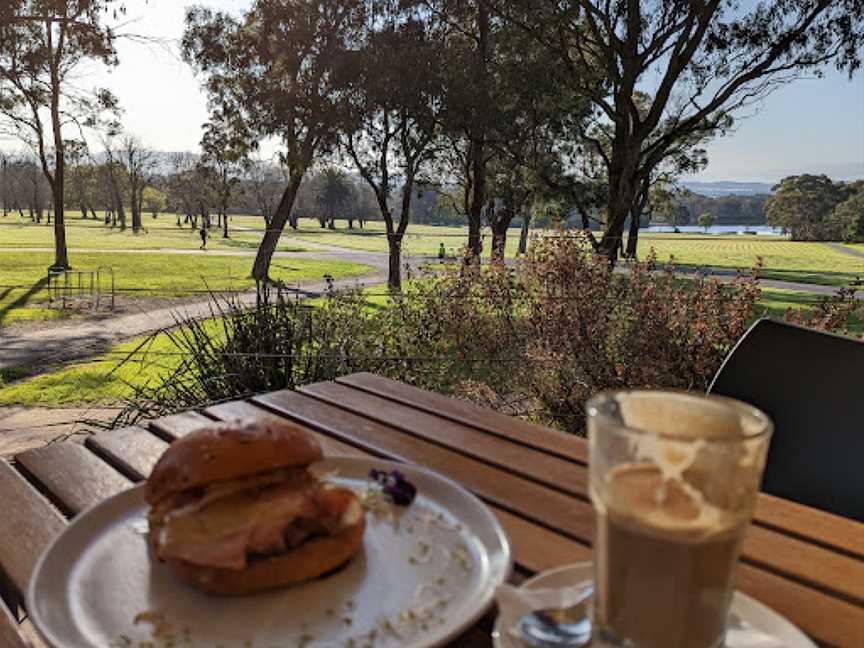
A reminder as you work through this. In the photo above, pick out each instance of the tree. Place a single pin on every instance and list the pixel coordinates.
(224, 156)
(182, 189)
(273, 70)
(116, 176)
(139, 163)
(43, 43)
(847, 220)
(263, 184)
(334, 193)
(707, 60)
(154, 200)
(394, 99)
(803, 206)
(706, 220)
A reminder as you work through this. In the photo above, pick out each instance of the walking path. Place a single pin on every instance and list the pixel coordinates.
(846, 250)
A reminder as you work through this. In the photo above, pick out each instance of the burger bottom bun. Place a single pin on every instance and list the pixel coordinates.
(310, 560)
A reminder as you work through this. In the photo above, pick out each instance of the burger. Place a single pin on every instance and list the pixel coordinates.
(235, 509)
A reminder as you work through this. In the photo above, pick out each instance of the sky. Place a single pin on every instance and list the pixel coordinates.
(811, 125)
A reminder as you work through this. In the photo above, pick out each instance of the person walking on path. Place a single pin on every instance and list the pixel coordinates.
(203, 234)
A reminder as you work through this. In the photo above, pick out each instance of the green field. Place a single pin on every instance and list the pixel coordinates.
(159, 233)
(22, 276)
(803, 262)
(783, 259)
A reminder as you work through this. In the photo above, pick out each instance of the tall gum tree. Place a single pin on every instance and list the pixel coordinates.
(274, 70)
(43, 44)
(701, 61)
(394, 97)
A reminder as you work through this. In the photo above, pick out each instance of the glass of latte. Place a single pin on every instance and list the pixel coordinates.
(673, 479)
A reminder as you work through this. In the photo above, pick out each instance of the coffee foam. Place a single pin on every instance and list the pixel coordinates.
(638, 495)
(654, 491)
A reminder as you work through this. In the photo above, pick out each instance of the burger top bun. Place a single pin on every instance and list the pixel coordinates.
(225, 451)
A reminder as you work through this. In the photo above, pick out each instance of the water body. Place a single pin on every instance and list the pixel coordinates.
(719, 229)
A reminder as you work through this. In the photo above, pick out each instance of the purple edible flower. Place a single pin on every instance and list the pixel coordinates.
(395, 486)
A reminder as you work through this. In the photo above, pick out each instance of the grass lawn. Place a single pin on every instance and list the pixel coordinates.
(160, 233)
(22, 276)
(97, 381)
(783, 259)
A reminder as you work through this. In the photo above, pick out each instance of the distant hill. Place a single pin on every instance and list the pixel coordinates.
(728, 188)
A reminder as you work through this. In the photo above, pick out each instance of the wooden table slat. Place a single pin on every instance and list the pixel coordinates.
(823, 568)
(10, 636)
(177, 425)
(553, 471)
(483, 418)
(29, 524)
(826, 529)
(132, 450)
(76, 478)
(784, 515)
(824, 617)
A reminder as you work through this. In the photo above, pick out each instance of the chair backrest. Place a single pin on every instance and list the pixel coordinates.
(812, 385)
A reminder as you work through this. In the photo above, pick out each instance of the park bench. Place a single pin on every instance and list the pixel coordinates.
(805, 563)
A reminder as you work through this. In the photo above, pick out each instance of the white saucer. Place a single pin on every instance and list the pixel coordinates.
(744, 608)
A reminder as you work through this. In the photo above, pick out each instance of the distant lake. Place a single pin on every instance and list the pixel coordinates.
(717, 229)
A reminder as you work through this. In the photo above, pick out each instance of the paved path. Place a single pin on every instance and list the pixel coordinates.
(847, 250)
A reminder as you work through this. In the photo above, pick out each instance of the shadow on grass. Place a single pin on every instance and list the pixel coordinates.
(23, 300)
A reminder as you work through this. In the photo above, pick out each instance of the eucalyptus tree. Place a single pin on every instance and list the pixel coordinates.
(701, 60)
(43, 46)
(394, 97)
(334, 193)
(274, 70)
(139, 162)
(224, 156)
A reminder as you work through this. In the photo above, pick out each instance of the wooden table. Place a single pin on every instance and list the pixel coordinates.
(804, 563)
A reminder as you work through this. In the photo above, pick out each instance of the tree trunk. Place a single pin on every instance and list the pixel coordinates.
(394, 269)
(523, 233)
(119, 210)
(478, 139)
(261, 267)
(224, 216)
(136, 214)
(624, 185)
(633, 235)
(350, 223)
(61, 259)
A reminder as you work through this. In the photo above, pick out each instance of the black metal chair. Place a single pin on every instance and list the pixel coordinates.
(812, 385)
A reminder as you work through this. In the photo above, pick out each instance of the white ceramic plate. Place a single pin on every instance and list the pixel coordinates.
(425, 574)
(744, 608)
